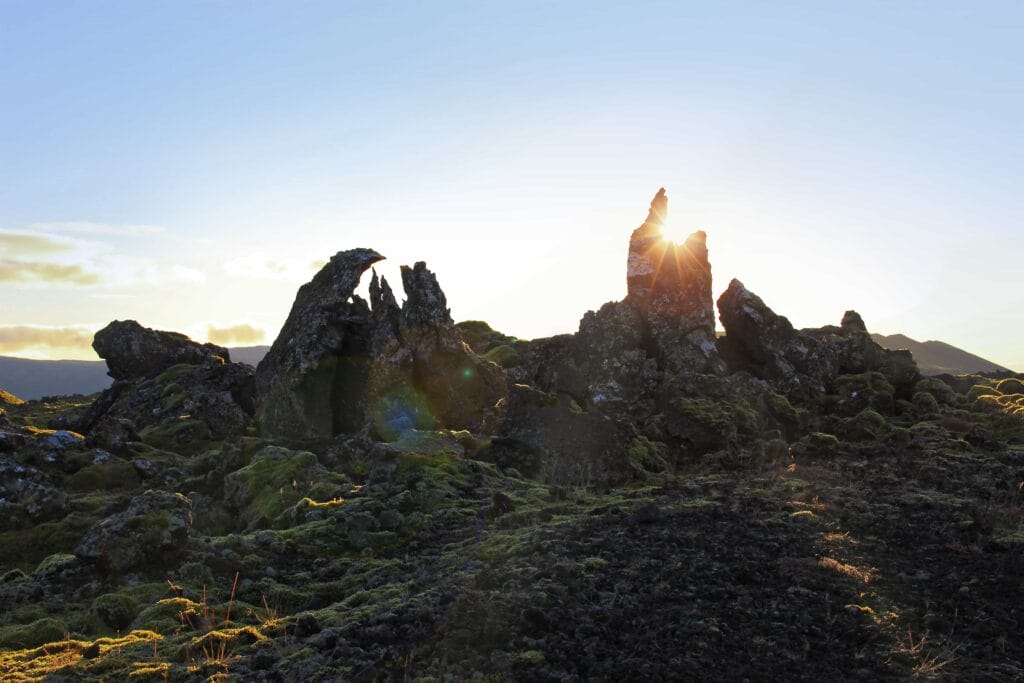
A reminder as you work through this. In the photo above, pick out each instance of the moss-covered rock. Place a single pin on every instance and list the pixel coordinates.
(55, 563)
(866, 390)
(154, 527)
(116, 610)
(46, 630)
(942, 392)
(275, 480)
(816, 445)
(867, 425)
(1010, 385)
(504, 355)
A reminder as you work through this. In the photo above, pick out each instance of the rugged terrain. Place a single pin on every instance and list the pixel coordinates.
(392, 496)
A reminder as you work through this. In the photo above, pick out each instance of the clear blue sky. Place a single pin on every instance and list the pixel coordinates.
(186, 164)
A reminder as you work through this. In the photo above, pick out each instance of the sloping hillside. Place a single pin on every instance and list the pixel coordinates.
(937, 358)
(33, 379)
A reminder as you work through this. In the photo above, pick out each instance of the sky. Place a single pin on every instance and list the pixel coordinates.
(189, 164)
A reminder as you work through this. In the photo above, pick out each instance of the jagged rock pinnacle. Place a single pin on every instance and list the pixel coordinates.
(669, 280)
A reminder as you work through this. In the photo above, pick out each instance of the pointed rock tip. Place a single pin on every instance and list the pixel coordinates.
(659, 207)
(852, 320)
(360, 255)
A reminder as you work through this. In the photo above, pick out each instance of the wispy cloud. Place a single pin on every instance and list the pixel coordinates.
(37, 271)
(263, 266)
(235, 334)
(90, 228)
(20, 243)
(21, 337)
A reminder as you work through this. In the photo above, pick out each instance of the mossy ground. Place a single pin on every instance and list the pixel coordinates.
(890, 556)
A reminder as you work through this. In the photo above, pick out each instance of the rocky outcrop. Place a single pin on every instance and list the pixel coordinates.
(312, 381)
(340, 363)
(624, 354)
(802, 364)
(426, 376)
(669, 284)
(133, 351)
(169, 391)
(153, 528)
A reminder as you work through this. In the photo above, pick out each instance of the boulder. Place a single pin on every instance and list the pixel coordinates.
(153, 528)
(196, 396)
(133, 351)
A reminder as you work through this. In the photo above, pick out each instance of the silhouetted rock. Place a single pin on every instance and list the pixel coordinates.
(670, 285)
(805, 363)
(625, 353)
(339, 363)
(133, 351)
(171, 392)
(425, 376)
(311, 382)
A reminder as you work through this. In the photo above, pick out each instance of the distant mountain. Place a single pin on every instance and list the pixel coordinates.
(936, 358)
(251, 355)
(33, 379)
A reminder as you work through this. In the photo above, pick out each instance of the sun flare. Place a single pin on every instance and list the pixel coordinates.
(674, 233)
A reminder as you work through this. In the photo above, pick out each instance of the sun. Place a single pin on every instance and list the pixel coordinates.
(673, 233)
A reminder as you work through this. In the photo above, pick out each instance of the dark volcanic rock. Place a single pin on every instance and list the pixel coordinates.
(670, 285)
(311, 382)
(339, 362)
(133, 351)
(551, 437)
(805, 363)
(625, 353)
(154, 527)
(189, 393)
(426, 376)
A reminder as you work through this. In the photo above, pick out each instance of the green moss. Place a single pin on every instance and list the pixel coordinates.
(116, 610)
(1010, 385)
(115, 474)
(816, 444)
(182, 432)
(55, 563)
(46, 630)
(168, 614)
(173, 373)
(979, 390)
(925, 401)
(26, 547)
(276, 480)
(531, 658)
(876, 381)
(503, 355)
(646, 456)
(481, 337)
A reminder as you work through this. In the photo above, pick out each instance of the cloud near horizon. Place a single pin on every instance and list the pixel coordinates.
(16, 338)
(235, 334)
(91, 228)
(39, 271)
(19, 243)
